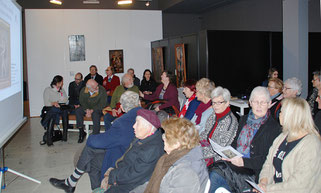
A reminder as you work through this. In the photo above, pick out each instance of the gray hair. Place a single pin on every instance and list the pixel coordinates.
(220, 91)
(318, 74)
(129, 100)
(260, 90)
(295, 84)
(125, 78)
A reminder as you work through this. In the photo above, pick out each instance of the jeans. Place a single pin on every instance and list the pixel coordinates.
(108, 118)
(217, 181)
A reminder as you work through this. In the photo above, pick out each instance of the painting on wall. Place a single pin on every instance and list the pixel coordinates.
(157, 63)
(5, 58)
(180, 64)
(77, 48)
(116, 59)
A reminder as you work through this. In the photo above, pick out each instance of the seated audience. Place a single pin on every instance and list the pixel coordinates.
(148, 84)
(110, 82)
(126, 85)
(191, 103)
(92, 100)
(293, 163)
(103, 150)
(165, 91)
(74, 90)
(275, 88)
(317, 117)
(204, 88)
(136, 166)
(182, 168)
(273, 73)
(221, 125)
(292, 88)
(53, 97)
(132, 73)
(316, 83)
(254, 137)
(93, 74)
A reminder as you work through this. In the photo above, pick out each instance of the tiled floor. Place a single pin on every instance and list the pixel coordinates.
(24, 154)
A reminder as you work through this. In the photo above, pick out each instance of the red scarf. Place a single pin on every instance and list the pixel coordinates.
(218, 116)
(185, 107)
(200, 109)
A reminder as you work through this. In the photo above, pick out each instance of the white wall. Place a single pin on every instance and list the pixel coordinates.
(47, 34)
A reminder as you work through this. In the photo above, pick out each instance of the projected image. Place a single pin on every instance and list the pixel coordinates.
(5, 67)
(77, 48)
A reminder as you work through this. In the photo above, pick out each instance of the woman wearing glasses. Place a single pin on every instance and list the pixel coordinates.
(275, 88)
(254, 136)
(220, 127)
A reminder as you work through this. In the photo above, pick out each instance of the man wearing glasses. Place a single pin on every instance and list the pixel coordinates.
(74, 90)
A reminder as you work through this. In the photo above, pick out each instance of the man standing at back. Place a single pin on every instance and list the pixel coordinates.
(93, 74)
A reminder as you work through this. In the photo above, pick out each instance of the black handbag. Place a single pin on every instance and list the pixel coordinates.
(235, 176)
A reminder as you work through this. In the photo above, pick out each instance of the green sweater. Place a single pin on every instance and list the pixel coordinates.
(118, 92)
(97, 101)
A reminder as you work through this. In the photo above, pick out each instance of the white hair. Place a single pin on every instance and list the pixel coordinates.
(220, 91)
(262, 91)
(295, 84)
(129, 100)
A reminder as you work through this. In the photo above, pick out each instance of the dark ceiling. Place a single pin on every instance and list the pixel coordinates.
(167, 6)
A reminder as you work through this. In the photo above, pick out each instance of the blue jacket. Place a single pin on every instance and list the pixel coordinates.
(191, 109)
(116, 140)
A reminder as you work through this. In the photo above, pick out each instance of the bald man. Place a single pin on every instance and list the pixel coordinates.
(93, 99)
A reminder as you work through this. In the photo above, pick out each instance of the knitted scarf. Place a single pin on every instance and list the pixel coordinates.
(248, 132)
(185, 107)
(200, 109)
(162, 166)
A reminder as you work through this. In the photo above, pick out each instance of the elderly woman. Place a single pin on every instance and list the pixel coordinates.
(182, 168)
(254, 136)
(275, 87)
(191, 103)
(292, 88)
(293, 163)
(204, 88)
(220, 127)
(165, 91)
(53, 97)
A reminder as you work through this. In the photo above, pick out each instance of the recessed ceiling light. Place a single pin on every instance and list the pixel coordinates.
(125, 2)
(57, 2)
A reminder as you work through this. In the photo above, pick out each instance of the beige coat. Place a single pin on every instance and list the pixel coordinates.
(301, 168)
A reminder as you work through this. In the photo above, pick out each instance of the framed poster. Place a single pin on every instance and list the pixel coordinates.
(77, 48)
(116, 60)
(157, 63)
(180, 64)
(5, 57)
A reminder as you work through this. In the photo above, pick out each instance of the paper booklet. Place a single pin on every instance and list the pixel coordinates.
(227, 152)
(254, 185)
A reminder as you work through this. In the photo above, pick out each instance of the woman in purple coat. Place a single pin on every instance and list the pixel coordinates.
(165, 91)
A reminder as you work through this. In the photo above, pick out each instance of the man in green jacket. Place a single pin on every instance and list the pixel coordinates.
(127, 84)
(93, 99)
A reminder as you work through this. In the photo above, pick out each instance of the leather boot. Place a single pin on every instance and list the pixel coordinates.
(82, 135)
(64, 125)
(50, 131)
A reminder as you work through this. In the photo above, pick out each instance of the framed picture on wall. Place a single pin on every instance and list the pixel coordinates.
(77, 48)
(116, 60)
(180, 64)
(157, 63)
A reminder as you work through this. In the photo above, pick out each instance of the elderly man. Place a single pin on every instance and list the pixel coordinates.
(92, 100)
(316, 83)
(136, 80)
(103, 150)
(93, 74)
(110, 82)
(136, 166)
(127, 84)
(74, 90)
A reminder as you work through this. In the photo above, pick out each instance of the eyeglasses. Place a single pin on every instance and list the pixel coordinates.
(271, 87)
(285, 88)
(218, 103)
(262, 103)
(77, 78)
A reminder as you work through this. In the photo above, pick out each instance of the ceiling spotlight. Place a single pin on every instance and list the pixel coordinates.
(125, 2)
(57, 2)
(147, 4)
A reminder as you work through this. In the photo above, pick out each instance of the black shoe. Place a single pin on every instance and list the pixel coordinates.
(82, 136)
(61, 185)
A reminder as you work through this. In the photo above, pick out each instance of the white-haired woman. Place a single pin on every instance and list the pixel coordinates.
(292, 88)
(293, 163)
(204, 88)
(220, 127)
(254, 136)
